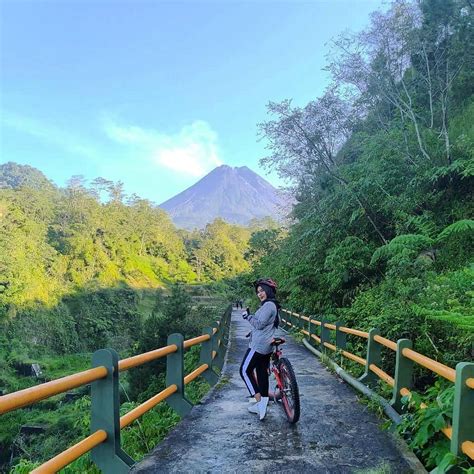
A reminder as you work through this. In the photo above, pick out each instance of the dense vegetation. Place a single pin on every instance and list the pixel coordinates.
(74, 260)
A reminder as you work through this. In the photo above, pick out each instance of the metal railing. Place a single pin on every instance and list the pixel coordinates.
(106, 423)
(460, 433)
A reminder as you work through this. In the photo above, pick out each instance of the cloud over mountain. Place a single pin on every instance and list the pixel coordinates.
(193, 150)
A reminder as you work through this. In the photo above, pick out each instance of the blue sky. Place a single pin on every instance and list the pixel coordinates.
(156, 94)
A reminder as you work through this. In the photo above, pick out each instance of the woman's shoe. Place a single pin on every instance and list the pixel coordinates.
(262, 407)
(253, 408)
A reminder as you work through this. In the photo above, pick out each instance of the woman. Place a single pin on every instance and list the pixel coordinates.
(257, 358)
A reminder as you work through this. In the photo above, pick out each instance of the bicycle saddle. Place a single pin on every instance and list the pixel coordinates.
(277, 341)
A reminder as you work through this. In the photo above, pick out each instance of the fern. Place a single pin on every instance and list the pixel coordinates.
(464, 168)
(423, 224)
(400, 243)
(458, 227)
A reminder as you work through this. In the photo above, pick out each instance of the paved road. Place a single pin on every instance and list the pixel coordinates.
(336, 434)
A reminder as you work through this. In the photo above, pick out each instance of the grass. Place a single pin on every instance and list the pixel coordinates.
(54, 367)
(222, 382)
(147, 301)
(373, 405)
(327, 361)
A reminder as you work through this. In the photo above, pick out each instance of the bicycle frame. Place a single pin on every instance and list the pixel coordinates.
(274, 369)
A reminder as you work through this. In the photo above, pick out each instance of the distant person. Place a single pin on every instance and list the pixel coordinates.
(241, 303)
(257, 357)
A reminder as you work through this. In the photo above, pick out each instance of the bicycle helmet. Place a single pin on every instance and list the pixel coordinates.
(265, 281)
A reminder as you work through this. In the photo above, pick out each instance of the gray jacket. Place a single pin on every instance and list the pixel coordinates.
(263, 328)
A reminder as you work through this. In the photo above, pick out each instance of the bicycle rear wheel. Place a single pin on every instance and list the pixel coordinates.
(290, 394)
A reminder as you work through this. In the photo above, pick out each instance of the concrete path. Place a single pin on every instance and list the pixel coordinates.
(336, 434)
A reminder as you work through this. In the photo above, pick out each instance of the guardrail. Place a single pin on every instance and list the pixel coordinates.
(106, 423)
(461, 433)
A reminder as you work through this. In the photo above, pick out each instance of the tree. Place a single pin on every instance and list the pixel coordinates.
(219, 250)
(305, 142)
(261, 244)
(145, 381)
(408, 57)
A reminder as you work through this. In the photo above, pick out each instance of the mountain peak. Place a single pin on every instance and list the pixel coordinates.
(235, 194)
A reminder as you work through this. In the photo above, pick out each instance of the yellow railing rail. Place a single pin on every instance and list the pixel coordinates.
(386, 342)
(140, 410)
(354, 357)
(330, 346)
(430, 364)
(354, 332)
(196, 340)
(195, 373)
(28, 396)
(72, 453)
(140, 359)
(382, 375)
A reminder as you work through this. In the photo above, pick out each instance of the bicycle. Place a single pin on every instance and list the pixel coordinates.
(286, 388)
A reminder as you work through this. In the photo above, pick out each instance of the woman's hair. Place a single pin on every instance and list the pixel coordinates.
(269, 291)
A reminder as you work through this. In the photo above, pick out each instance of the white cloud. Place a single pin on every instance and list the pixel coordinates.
(49, 133)
(193, 150)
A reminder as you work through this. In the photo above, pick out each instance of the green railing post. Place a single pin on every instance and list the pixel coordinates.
(403, 374)
(226, 331)
(227, 326)
(310, 329)
(325, 334)
(315, 330)
(105, 415)
(373, 357)
(175, 375)
(341, 339)
(206, 357)
(463, 408)
(219, 336)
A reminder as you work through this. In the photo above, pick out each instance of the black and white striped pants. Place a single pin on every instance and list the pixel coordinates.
(253, 360)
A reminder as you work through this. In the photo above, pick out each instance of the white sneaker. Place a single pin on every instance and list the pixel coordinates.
(253, 408)
(262, 407)
(252, 400)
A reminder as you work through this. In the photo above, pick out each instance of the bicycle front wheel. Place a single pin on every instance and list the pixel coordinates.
(290, 394)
